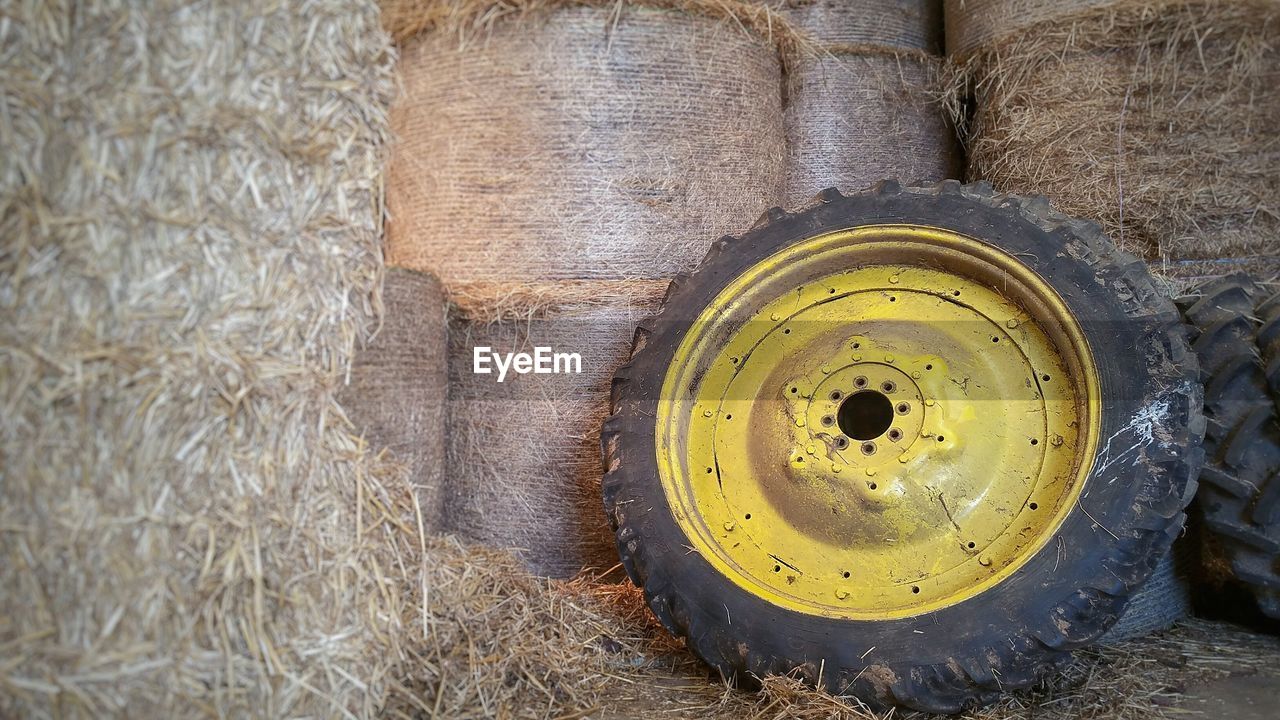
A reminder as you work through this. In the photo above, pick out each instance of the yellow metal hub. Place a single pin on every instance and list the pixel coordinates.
(879, 441)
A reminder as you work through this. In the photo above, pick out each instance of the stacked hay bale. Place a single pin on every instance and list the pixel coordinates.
(1160, 118)
(557, 163)
(862, 103)
(396, 393)
(189, 207)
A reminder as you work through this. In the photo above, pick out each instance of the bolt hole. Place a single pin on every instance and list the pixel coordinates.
(972, 546)
(842, 442)
(733, 360)
(865, 415)
(831, 291)
(995, 339)
(828, 420)
(895, 434)
(872, 486)
(786, 331)
(868, 448)
(956, 293)
(903, 408)
(893, 299)
(777, 568)
(888, 386)
(1044, 378)
(710, 470)
(940, 438)
(795, 390)
(1034, 506)
(728, 417)
(857, 345)
(846, 574)
(747, 516)
(860, 381)
(915, 590)
(928, 367)
(836, 395)
(1035, 442)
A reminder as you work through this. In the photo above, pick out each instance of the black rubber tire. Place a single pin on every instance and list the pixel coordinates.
(1239, 500)
(1064, 597)
(1269, 344)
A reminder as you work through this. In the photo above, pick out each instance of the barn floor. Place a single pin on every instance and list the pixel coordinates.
(1250, 697)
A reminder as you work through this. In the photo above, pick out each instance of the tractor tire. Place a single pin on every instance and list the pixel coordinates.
(914, 445)
(1239, 500)
(1269, 344)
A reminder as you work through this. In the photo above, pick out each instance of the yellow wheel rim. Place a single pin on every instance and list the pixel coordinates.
(881, 441)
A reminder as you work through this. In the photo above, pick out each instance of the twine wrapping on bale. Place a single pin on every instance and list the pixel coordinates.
(1162, 601)
(863, 108)
(524, 453)
(1159, 118)
(397, 391)
(581, 142)
(189, 213)
(974, 24)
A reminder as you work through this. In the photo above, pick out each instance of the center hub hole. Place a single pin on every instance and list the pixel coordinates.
(865, 415)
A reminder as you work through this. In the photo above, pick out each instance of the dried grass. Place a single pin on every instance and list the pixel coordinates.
(189, 208)
(1160, 119)
(496, 641)
(486, 303)
(1179, 278)
(467, 19)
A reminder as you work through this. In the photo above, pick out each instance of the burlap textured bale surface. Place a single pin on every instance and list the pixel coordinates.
(972, 24)
(856, 119)
(524, 453)
(863, 107)
(1160, 119)
(397, 391)
(189, 219)
(907, 24)
(582, 142)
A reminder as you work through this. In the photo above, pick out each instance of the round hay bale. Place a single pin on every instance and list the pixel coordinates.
(862, 108)
(396, 394)
(582, 143)
(524, 452)
(1159, 119)
(191, 252)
